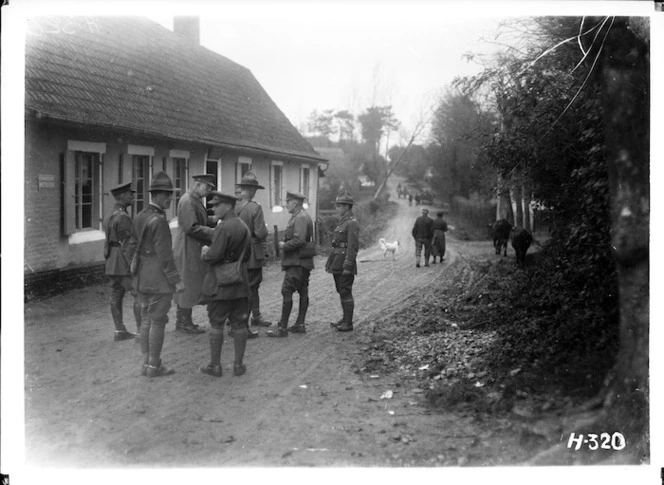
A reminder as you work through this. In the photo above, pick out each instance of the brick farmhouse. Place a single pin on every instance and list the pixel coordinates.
(115, 99)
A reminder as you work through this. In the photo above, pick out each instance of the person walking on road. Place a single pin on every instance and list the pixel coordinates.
(251, 214)
(156, 277)
(342, 262)
(438, 242)
(193, 233)
(423, 233)
(298, 261)
(118, 252)
(227, 301)
(410, 199)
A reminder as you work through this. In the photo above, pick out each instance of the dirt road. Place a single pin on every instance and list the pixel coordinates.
(303, 401)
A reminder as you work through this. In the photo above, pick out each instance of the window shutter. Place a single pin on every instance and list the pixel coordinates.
(68, 195)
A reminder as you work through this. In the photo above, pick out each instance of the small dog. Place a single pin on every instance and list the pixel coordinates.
(388, 247)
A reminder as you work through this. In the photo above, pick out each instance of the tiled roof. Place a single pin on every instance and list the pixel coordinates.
(131, 73)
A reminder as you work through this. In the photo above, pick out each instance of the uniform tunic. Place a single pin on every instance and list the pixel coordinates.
(230, 237)
(193, 233)
(345, 245)
(299, 231)
(156, 270)
(251, 214)
(118, 239)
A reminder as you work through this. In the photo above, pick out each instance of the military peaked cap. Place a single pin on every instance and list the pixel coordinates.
(206, 178)
(249, 179)
(121, 189)
(295, 195)
(219, 198)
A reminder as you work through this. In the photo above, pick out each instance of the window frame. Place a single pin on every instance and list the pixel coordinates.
(305, 190)
(277, 191)
(242, 162)
(69, 195)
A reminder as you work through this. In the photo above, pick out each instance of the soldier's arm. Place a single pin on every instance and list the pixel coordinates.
(162, 247)
(414, 231)
(189, 223)
(217, 250)
(299, 235)
(353, 245)
(125, 233)
(259, 229)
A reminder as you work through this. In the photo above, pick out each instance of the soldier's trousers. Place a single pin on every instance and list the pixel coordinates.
(255, 279)
(155, 317)
(296, 278)
(344, 285)
(235, 311)
(120, 285)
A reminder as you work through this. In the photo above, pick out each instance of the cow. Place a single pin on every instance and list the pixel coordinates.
(500, 232)
(521, 240)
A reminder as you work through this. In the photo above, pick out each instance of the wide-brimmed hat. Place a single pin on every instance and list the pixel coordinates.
(206, 178)
(217, 198)
(344, 198)
(162, 182)
(295, 195)
(121, 189)
(249, 179)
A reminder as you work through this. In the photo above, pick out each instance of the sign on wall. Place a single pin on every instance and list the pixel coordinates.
(46, 181)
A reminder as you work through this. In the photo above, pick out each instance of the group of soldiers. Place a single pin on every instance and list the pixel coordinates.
(430, 235)
(217, 260)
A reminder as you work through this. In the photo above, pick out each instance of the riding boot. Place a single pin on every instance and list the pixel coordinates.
(121, 332)
(178, 318)
(341, 321)
(155, 342)
(347, 324)
(240, 343)
(301, 315)
(187, 325)
(216, 342)
(281, 330)
(417, 261)
(144, 339)
(137, 315)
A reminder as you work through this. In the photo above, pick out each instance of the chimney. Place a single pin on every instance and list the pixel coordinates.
(188, 28)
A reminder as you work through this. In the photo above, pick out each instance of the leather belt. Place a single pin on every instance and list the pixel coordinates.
(337, 244)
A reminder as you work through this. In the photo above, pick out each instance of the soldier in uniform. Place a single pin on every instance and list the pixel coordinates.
(155, 274)
(193, 233)
(251, 214)
(297, 263)
(342, 261)
(230, 244)
(118, 253)
(423, 233)
(438, 242)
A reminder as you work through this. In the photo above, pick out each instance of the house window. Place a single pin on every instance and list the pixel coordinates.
(212, 168)
(277, 184)
(140, 178)
(86, 189)
(179, 178)
(82, 186)
(305, 181)
(241, 167)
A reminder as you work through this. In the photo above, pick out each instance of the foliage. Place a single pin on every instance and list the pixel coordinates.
(375, 122)
(458, 131)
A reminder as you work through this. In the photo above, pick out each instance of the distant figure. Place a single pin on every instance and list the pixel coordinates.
(521, 241)
(417, 199)
(410, 199)
(423, 232)
(438, 242)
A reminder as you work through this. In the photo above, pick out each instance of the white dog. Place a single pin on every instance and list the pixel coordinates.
(388, 247)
